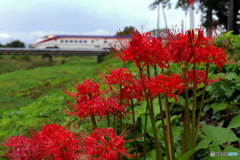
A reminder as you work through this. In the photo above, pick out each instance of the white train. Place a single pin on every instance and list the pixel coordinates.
(77, 42)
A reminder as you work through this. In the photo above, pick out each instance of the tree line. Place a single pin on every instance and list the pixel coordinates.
(14, 44)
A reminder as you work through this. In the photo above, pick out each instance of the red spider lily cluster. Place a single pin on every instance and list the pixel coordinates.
(55, 142)
(105, 144)
(90, 101)
(152, 56)
(167, 85)
(52, 142)
(194, 48)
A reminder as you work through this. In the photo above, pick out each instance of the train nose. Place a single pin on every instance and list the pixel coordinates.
(31, 45)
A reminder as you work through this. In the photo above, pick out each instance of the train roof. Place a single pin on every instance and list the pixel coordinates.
(91, 36)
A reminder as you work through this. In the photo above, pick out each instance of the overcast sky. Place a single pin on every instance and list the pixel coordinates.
(28, 20)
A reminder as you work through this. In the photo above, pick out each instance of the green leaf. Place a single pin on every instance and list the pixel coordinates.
(229, 92)
(187, 154)
(231, 75)
(219, 135)
(229, 33)
(203, 144)
(181, 101)
(235, 122)
(208, 88)
(149, 129)
(219, 106)
(151, 154)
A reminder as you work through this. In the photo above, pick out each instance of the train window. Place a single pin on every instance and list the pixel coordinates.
(76, 41)
(92, 41)
(66, 41)
(62, 41)
(71, 41)
(105, 41)
(85, 41)
(80, 41)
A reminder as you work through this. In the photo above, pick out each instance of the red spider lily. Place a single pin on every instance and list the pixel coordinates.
(55, 142)
(99, 106)
(52, 142)
(182, 46)
(20, 148)
(133, 91)
(194, 48)
(87, 88)
(129, 87)
(104, 144)
(167, 85)
(143, 49)
(200, 76)
(119, 76)
(212, 54)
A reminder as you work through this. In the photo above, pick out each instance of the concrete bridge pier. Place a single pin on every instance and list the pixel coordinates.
(100, 58)
(47, 57)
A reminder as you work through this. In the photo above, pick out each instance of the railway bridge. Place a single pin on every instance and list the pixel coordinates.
(49, 52)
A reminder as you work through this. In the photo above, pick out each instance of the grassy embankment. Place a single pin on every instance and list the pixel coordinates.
(31, 90)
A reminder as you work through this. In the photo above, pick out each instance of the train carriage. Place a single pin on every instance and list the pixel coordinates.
(77, 42)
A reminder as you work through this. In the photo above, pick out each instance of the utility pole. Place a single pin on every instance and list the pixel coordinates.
(164, 16)
(158, 28)
(230, 16)
(191, 13)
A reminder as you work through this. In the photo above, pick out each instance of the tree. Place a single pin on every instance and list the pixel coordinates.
(126, 31)
(16, 44)
(209, 8)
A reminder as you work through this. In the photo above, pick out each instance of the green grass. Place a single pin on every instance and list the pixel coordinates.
(23, 86)
(31, 97)
(13, 63)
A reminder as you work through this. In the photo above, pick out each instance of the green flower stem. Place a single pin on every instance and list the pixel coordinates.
(115, 121)
(145, 131)
(164, 130)
(157, 146)
(193, 120)
(134, 123)
(120, 123)
(93, 120)
(201, 104)
(163, 125)
(108, 119)
(146, 113)
(169, 129)
(151, 114)
(133, 112)
(186, 129)
(152, 118)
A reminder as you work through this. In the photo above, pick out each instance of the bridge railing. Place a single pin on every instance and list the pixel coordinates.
(49, 52)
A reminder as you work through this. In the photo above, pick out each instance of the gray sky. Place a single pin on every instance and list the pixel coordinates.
(28, 20)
